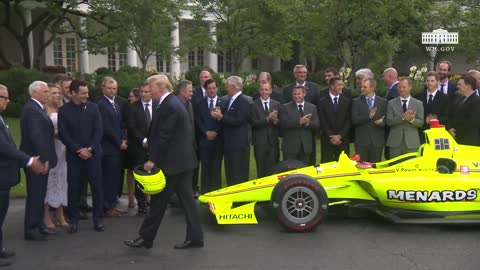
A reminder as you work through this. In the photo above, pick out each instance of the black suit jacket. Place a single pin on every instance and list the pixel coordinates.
(235, 122)
(335, 122)
(11, 160)
(204, 122)
(392, 92)
(276, 95)
(113, 126)
(312, 95)
(197, 95)
(264, 134)
(170, 138)
(325, 93)
(137, 130)
(80, 126)
(37, 133)
(439, 106)
(464, 117)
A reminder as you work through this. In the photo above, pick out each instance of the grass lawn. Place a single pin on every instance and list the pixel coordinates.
(20, 189)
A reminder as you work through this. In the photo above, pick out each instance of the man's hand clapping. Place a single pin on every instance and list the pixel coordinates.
(305, 120)
(409, 115)
(273, 117)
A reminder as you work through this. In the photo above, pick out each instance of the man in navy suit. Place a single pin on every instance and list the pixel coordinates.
(390, 78)
(210, 139)
(446, 86)
(200, 92)
(10, 161)
(170, 148)
(80, 129)
(234, 116)
(37, 139)
(113, 142)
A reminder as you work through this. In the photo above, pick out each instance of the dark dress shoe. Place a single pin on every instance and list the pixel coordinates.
(35, 236)
(73, 228)
(5, 263)
(138, 243)
(47, 231)
(189, 244)
(5, 254)
(83, 216)
(99, 227)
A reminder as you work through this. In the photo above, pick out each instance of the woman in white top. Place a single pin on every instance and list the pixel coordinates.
(57, 179)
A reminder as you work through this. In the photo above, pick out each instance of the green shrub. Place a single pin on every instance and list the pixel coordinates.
(17, 81)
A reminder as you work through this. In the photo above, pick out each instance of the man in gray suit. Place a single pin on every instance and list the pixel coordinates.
(368, 114)
(264, 117)
(299, 121)
(405, 117)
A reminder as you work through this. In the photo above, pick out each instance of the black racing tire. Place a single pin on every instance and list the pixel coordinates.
(299, 202)
(288, 165)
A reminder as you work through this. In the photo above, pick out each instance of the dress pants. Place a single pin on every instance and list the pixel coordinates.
(110, 179)
(266, 157)
(401, 149)
(181, 184)
(35, 201)
(211, 161)
(331, 152)
(237, 165)
(79, 169)
(4, 203)
(369, 153)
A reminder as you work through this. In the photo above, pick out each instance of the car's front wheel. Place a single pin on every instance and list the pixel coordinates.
(300, 202)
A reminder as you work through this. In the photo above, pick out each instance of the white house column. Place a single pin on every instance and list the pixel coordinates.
(213, 57)
(84, 63)
(28, 21)
(131, 57)
(175, 61)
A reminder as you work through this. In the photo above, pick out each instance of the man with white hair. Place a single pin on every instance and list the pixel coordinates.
(37, 139)
(390, 78)
(312, 90)
(362, 74)
(234, 116)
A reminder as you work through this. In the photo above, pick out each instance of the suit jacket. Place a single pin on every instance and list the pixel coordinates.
(11, 160)
(439, 106)
(235, 122)
(464, 117)
(335, 122)
(401, 129)
(170, 138)
(113, 126)
(311, 88)
(80, 126)
(197, 95)
(137, 130)
(392, 92)
(294, 134)
(452, 88)
(37, 133)
(366, 132)
(264, 134)
(204, 122)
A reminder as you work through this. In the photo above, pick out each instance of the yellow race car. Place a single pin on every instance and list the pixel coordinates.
(437, 184)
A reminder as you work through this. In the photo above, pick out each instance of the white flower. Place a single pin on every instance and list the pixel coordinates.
(419, 72)
(413, 68)
(424, 69)
(411, 75)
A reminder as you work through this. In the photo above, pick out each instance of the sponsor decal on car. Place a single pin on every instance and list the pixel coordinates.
(235, 216)
(432, 196)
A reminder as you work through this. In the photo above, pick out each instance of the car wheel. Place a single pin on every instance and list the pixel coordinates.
(288, 165)
(299, 202)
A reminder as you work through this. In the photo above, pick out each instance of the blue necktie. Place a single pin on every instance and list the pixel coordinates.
(370, 103)
(210, 106)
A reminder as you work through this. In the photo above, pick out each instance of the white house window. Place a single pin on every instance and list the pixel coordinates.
(116, 58)
(224, 61)
(65, 53)
(195, 57)
(163, 63)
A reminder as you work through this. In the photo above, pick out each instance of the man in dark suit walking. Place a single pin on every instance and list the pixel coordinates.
(435, 103)
(114, 141)
(335, 115)
(299, 122)
(170, 149)
(265, 126)
(10, 162)
(80, 129)
(139, 119)
(463, 121)
(234, 116)
(37, 139)
(368, 115)
(405, 117)
(210, 138)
